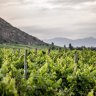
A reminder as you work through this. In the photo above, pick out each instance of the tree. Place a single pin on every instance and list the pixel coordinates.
(70, 46)
(52, 46)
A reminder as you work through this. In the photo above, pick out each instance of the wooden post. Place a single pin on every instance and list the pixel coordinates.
(49, 51)
(82, 56)
(18, 52)
(59, 49)
(64, 49)
(13, 50)
(35, 51)
(25, 64)
(75, 58)
(75, 61)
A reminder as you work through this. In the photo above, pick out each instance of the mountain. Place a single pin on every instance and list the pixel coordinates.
(88, 42)
(13, 35)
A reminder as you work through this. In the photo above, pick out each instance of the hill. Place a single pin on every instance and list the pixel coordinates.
(12, 35)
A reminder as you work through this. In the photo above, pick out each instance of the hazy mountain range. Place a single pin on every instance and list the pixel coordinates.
(13, 35)
(88, 42)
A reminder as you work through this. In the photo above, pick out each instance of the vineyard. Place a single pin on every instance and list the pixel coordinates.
(32, 72)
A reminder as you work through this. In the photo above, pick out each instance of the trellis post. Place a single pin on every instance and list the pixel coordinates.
(25, 64)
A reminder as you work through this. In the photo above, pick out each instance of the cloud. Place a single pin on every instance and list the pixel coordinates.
(46, 33)
(51, 4)
(70, 1)
(5, 2)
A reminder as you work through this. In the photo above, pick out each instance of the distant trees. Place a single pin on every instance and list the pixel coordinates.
(52, 46)
(65, 47)
(70, 46)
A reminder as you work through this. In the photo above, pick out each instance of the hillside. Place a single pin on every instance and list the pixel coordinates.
(12, 35)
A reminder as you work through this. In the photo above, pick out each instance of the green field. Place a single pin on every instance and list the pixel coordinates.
(22, 46)
(31, 72)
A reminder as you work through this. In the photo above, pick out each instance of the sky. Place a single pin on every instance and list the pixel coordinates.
(47, 19)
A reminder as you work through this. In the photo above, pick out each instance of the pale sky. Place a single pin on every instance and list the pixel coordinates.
(52, 18)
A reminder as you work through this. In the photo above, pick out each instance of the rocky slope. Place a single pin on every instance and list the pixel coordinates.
(10, 34)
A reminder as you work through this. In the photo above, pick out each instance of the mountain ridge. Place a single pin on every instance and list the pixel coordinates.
(87, 42)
